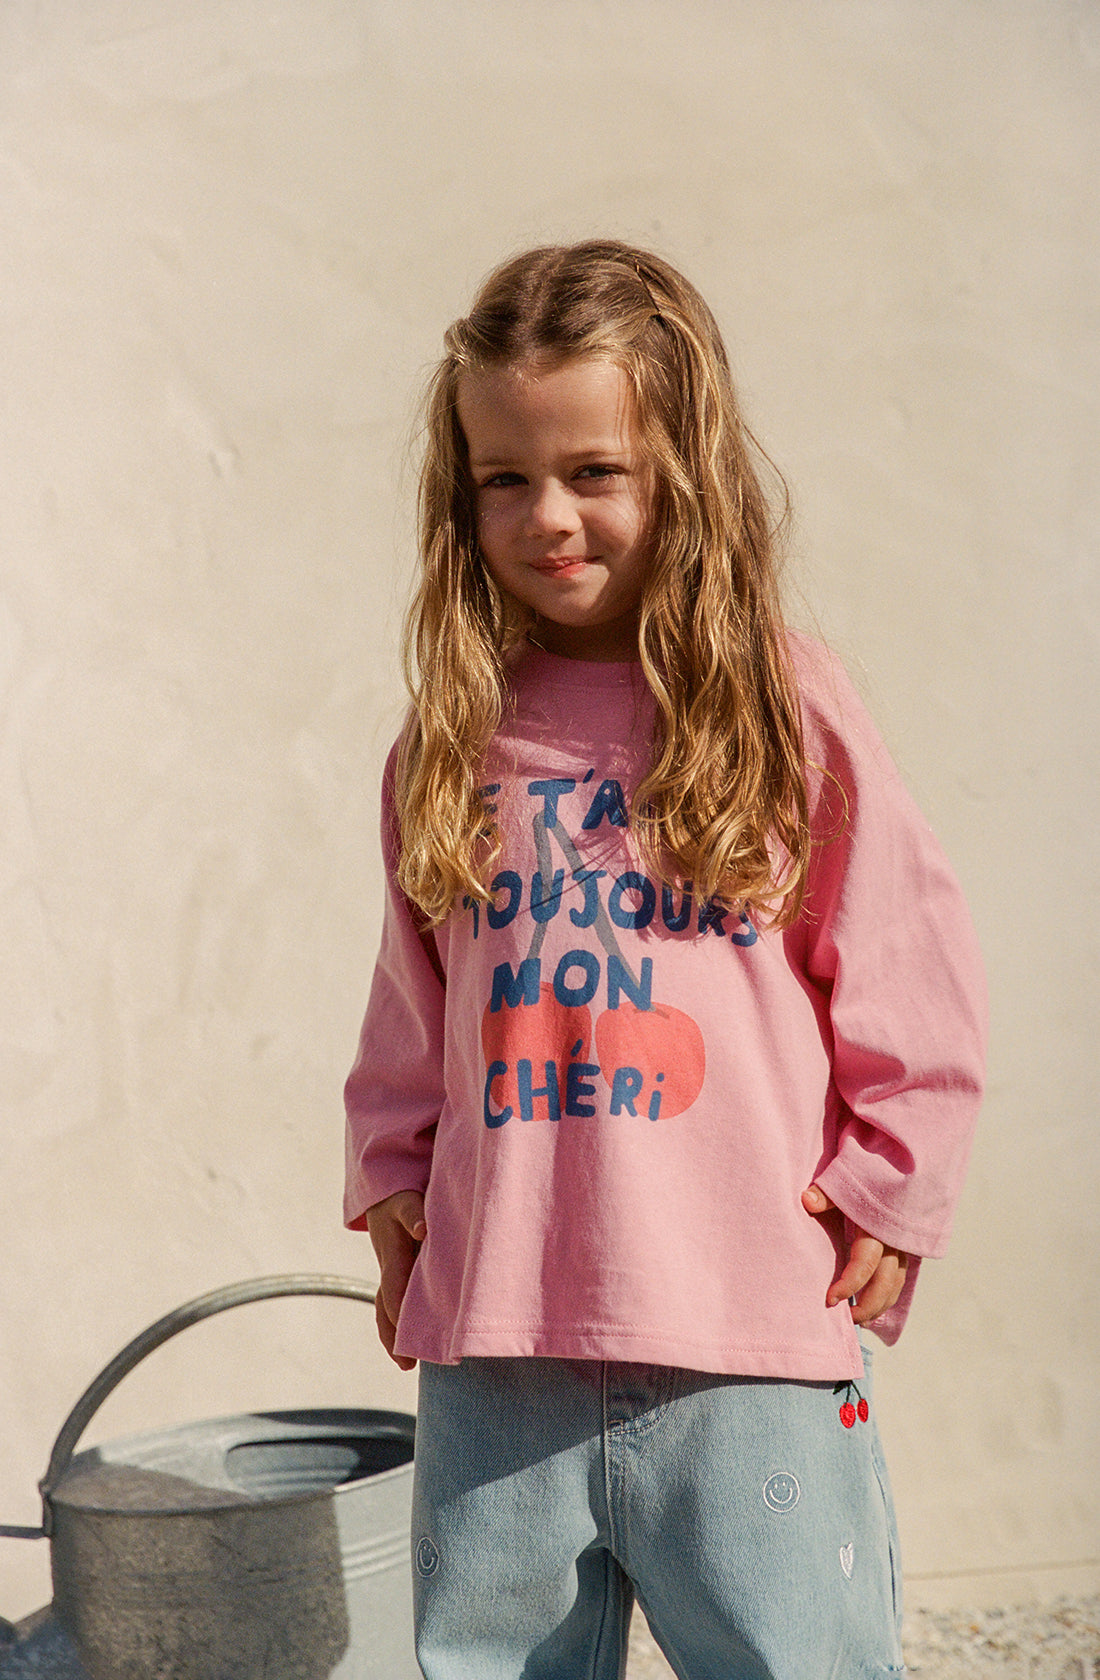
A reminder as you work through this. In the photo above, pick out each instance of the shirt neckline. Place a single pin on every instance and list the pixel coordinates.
(562, 672)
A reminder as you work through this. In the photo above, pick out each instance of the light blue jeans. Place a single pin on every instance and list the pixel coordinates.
(752, 1520)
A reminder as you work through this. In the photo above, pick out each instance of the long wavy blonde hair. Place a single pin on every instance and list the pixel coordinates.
(724, 803)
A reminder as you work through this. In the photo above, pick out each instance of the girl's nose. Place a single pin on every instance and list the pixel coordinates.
(552, 509)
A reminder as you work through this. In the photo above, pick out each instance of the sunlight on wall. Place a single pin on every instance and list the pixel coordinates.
(232, 241)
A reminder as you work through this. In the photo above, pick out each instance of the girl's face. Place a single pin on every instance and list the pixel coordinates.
(563, 499)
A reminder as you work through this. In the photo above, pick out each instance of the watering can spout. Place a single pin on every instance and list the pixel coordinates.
(13, 1531)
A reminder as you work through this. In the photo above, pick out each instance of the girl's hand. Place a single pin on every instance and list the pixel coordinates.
(875, 1274)
(397, 1229)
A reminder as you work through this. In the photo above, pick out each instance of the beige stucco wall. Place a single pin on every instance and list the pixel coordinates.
(232, 233)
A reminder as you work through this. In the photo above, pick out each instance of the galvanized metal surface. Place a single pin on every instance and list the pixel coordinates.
(271, 1545)
(41, 1650)
(267, 1546)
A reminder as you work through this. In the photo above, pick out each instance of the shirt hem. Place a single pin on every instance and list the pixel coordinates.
(836, 1362)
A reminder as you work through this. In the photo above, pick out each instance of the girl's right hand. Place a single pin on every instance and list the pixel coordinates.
(397, 1229)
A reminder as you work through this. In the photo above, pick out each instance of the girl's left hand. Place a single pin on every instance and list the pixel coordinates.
(875, 1273)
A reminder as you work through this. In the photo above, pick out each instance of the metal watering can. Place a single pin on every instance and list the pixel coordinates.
(268, 1546)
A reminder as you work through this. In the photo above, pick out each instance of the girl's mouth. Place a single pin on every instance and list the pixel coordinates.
(564, 565)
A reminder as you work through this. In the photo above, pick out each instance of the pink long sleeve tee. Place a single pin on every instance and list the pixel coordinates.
(613, 1095)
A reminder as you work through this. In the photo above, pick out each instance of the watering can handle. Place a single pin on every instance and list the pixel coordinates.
(205, 1306)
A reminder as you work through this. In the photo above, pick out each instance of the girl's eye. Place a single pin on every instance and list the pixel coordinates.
(596, 470)
(501, 480)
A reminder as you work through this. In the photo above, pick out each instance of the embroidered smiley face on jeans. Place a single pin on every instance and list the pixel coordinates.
(782, 1492)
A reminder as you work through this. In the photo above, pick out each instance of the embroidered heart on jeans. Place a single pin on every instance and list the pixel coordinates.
(847, 1559)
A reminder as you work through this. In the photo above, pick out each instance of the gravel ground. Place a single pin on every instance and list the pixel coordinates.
(1054, 1641)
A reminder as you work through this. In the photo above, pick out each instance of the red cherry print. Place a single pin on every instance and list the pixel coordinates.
(542, 1032)
(863, 1411)
(848, 1415)
(664, 1044)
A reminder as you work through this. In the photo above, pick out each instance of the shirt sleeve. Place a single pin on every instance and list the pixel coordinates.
(395, 1091)
(889, 941)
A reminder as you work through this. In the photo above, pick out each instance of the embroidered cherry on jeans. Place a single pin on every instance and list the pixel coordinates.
(849, 1410)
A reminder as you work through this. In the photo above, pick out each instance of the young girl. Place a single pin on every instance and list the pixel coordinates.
(674, 1044)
